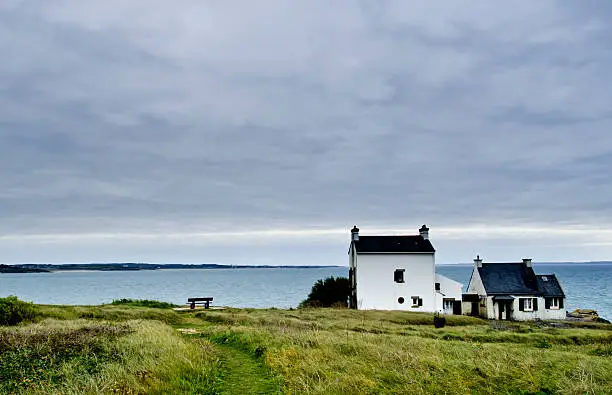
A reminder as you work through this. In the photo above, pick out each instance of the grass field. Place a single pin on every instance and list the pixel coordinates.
(129, 349)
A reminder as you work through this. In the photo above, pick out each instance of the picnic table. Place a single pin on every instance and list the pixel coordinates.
(203, 301)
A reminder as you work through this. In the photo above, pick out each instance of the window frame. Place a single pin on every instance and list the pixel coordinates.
(417, 301)
(528, 304)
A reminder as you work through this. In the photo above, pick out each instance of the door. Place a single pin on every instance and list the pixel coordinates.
(457, 307)
(474, 312)
(504, 310)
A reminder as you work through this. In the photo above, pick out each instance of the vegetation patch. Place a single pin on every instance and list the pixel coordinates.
(81, 356)
(144, 303)
(14, 311)
(364, 352)
(330, 292)
(37, 355)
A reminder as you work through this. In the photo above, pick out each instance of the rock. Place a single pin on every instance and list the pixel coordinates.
(586, 315)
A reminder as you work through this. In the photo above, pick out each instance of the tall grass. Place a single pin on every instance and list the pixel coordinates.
(74, 357)
(343, 351)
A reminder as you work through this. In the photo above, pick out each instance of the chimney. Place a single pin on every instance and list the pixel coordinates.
(355, 234)
(424, 232)
(478, 261)
(527, 262)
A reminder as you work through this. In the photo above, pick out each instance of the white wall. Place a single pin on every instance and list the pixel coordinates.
(476, 286)
(492, 311)
(542, 313)
(449, 289)
(376, 288)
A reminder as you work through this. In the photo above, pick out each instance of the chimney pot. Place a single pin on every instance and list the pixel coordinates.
(527, 262)
(424, 232)
(355, 234)
(478, 261)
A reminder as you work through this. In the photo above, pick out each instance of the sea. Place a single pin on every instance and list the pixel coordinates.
(587, 285)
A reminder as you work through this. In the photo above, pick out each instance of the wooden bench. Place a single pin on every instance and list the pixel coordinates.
(203, 301)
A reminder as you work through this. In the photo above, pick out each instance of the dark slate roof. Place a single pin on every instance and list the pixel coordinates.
(551, 286)
(508, 278)
(396, 244)
(517, 279)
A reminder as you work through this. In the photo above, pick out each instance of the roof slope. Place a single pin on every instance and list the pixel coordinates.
(549, 285)
(508, 278)
(393, 244)
(518, 279)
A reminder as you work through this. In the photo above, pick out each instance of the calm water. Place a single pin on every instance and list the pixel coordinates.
(281, 288)
(586, 285)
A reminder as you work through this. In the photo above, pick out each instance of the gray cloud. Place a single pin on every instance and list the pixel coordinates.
(124, 122)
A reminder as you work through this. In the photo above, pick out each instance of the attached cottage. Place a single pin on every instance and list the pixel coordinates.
(398, 273)
(512, 291)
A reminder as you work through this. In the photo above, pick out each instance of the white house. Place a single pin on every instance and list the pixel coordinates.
(398, 273)
(512, 291)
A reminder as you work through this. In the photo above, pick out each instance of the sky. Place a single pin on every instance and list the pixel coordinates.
(245, 132)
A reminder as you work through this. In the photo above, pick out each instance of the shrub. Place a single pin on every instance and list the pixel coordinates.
(13, 311)
(439, 321)
(144, 303)
(331, 292)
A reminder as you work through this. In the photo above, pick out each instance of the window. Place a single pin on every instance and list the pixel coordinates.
(554, 303)
(417, 301)
(400, 300)
(447, 304)
(399, 275)
(528, 304)
(437, 286)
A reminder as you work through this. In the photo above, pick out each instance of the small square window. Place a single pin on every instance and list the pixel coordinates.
(417, 301)
(437, 286)
(398, 276)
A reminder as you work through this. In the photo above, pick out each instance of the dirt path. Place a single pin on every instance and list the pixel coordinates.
(244, 374)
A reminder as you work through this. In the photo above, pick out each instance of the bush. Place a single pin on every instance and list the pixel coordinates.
(439, 321)
(13, 311)
(331, 292)
(144, 303)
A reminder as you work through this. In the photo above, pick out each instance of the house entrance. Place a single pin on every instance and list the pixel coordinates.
(504, 310)
(475, 309)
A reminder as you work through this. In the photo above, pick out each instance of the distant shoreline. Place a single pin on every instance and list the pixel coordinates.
(108, 267)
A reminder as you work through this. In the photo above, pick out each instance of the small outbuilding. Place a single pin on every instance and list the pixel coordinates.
(512, 291)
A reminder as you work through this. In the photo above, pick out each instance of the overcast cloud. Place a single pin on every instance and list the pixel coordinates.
(261, 131)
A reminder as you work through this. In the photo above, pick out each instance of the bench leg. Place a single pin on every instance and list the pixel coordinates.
(192, 305)
(206, 304)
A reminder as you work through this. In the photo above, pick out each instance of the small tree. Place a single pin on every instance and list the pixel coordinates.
(331, 292)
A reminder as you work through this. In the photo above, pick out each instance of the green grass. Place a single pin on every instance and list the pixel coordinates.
(143, 303)
(342, 351)
(81, 356)
(134, 347)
